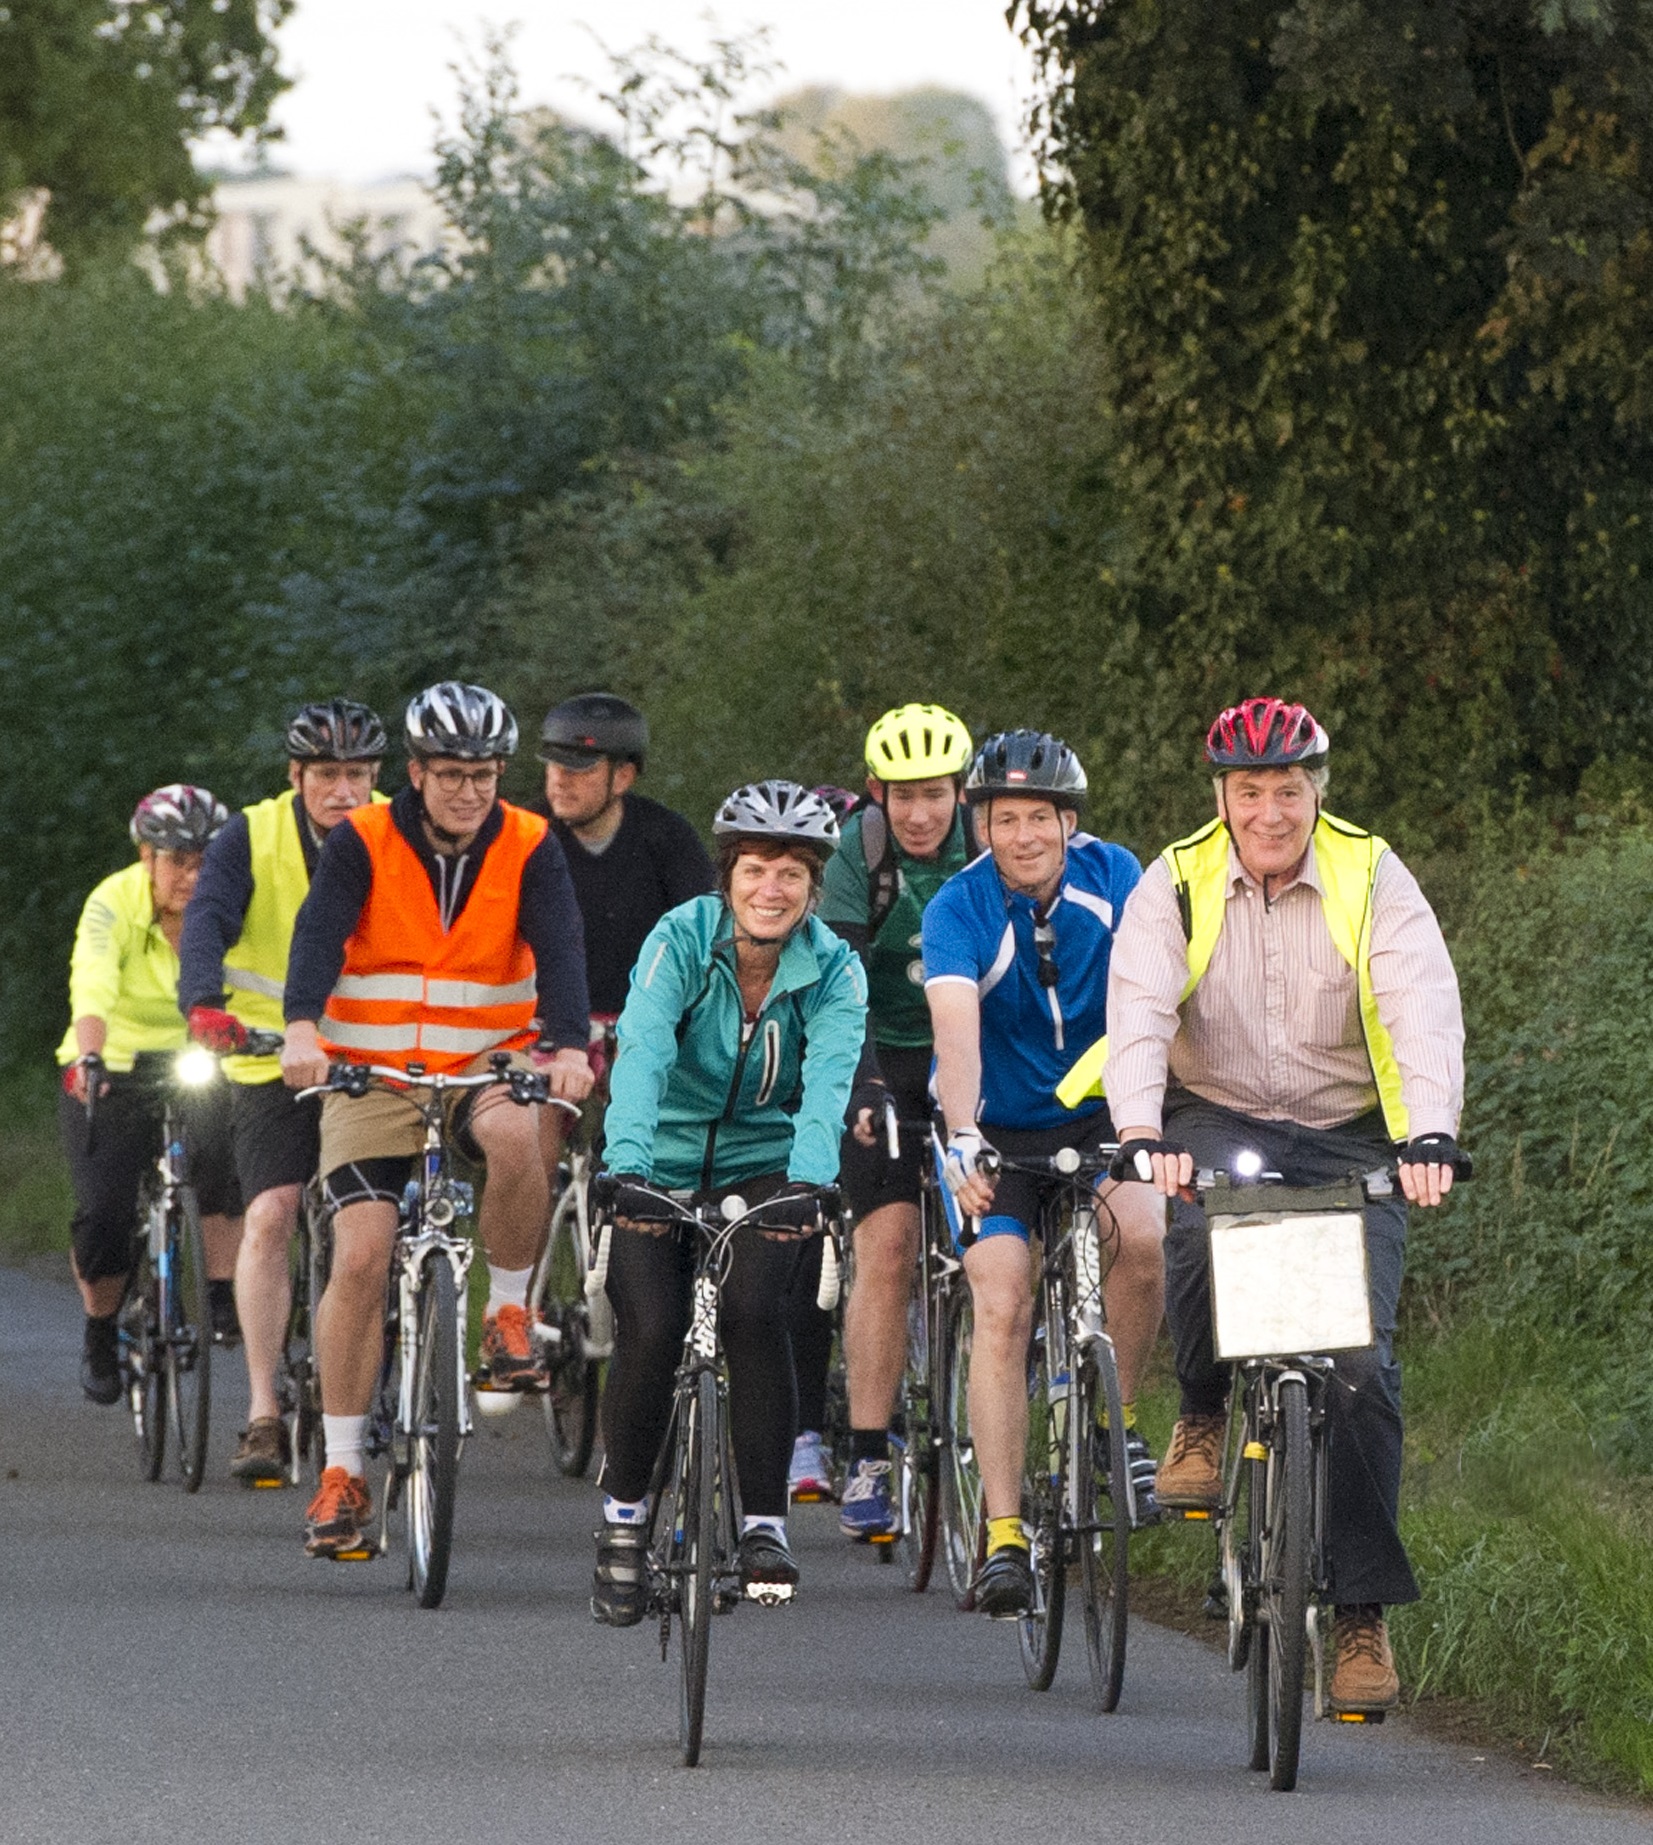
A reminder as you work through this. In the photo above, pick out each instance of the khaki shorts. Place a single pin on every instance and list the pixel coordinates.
(383, 1125)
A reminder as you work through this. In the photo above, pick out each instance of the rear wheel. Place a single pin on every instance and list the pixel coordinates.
(1105, 1507)
(920, 1464)
(563, 1325)
(697, 1513)
(1044, 1491)
(961, 1515)
(433, 1447)
(1286, 1554)
(143, 1369)
(187, 1330)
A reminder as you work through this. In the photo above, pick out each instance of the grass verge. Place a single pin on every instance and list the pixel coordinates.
(35, 1201)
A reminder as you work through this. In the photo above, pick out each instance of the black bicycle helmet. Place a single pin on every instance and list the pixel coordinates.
(338, 730)
(467, 722)
(178, 818)
(1029, 762)
(594, 724)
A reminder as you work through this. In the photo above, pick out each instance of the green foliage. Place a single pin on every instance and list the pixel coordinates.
(100, 100)
(1369, 279)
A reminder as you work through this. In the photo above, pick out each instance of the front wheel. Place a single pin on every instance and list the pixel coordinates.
(920, 1477)
(1105, 1520)
(697, 1552)
(1286, 1555)
(962, 1530)
(187, 1335)
(1044, 1491)
(562, 1324)
(433, 1435)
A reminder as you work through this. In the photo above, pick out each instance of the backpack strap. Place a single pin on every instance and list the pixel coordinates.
(883, 868)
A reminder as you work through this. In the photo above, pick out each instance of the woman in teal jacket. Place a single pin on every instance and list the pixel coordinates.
(738, 1047)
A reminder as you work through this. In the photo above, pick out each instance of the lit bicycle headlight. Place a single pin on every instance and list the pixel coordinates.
(195, 1067)
(1247, 1164)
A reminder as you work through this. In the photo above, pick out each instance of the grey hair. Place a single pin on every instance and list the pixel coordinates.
(1320, 779)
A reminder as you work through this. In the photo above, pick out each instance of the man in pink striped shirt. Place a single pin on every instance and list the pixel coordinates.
(1279, 984)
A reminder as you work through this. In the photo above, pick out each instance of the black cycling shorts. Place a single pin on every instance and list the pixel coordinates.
(1018, 1195)
(275, 1136)
(870, 1178)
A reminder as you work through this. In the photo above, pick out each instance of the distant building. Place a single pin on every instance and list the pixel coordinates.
(264, 224)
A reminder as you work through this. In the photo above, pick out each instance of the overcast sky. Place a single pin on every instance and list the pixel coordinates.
(368, 72)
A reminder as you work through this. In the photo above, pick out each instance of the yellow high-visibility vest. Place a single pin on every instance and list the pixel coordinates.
(1346, 859)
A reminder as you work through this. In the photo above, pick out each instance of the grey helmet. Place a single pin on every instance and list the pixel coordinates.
(779, 810)
(338, 730)
(467, 722)
(1027, 762)
(178, 818)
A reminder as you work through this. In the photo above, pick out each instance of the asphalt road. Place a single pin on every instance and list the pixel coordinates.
(174, 1668)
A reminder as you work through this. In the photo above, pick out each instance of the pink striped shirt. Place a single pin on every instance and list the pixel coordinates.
(1273, 1028)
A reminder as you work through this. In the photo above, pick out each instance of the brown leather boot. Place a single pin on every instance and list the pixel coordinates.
(1192, 1472)
(1363, 1669)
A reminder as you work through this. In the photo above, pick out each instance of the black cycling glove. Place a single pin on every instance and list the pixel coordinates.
(1435, 1150)
(871, 1095)
(1123, 1165)
(795, 1209)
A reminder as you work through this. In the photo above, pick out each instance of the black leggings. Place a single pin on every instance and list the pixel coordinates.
(650, 1283)
(812, 1331)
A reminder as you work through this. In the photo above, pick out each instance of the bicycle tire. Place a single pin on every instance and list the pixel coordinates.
(1044, 1491)
(961, 1507)
(142, 1367)
(318, 1271)
(1105, 1550)
(920, 1478)
(573, 1380)
(187, 1332)
(433, 1439)
(1256, 1650)
(1286, 1579)
(698, 1510)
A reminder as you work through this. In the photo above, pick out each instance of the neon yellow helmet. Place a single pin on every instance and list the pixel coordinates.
(915, 743)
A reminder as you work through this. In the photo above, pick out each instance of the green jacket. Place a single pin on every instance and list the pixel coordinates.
(700, 1102)
(894, 956)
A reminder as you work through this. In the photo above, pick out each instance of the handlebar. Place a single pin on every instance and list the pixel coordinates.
(527, 1087)
(1064, 1163)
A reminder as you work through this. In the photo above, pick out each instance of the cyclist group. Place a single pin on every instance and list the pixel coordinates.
(957, 955)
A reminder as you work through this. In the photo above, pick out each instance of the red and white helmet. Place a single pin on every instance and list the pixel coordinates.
(178, 818)
(1266, 733)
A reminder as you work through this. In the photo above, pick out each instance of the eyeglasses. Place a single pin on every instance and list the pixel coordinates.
(1044, 942)
(450, 781)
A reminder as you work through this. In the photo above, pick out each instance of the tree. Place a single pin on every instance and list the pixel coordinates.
(101, 99)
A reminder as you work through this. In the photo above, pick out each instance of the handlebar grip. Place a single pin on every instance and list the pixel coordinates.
(605, 1188)
(988, 1162)
(826, 1295)
(262, 1044)
(892, 1130)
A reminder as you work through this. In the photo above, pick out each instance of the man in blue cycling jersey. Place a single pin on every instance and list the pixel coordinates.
(1016, 952)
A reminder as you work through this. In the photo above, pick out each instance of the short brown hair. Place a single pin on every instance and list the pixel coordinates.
(737, 846)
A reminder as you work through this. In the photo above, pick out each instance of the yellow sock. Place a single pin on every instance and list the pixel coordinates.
(1006, 1531)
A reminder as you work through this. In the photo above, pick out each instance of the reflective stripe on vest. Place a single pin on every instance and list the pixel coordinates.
(412, 991)
(1346, 860)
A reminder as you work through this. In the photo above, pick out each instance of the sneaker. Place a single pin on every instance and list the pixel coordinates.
(1363, 1670)
(100, 1368)
(869, 1512)
(619, 1587)
(511, 1358)
(265, 1456)
(1139, 1459)
(1191, 1474)
(226, 1323)
(768, 1570)
(809, 1476)
(1003, 1588)
(333, 1522)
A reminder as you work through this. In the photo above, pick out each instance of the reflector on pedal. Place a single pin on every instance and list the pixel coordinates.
(1194, 1514)
(354, 1556)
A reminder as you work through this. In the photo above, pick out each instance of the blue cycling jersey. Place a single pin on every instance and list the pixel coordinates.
(977, 929)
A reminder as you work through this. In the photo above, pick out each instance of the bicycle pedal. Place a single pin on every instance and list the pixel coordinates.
(770, 1594)
(264, 1486)
(884, 1539)
(813, 1498)
(1358, 1716)
(1189, 1514)
(365, 1555)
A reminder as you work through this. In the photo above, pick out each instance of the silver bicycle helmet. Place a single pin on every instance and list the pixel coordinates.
(467, 722)
(178, 818)
(780, 810)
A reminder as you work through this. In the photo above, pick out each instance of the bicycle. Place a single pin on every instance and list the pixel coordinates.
(164, 1328)
(691, 1553)
(1283, 1345)
(421, 1411)
(299, 1385)
(949, 1326)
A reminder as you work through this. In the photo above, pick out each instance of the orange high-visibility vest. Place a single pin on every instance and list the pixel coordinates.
(409, 992)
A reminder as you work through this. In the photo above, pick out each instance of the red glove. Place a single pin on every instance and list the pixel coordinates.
(218, 1030)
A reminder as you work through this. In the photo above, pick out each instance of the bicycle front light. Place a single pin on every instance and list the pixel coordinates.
(1247, 1164)
(195, 1067)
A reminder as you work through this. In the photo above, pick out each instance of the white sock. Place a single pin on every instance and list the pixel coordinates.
(777, 1525)
(625, 1511)
(805, 1437)
(508, 1287)
(346, 1439)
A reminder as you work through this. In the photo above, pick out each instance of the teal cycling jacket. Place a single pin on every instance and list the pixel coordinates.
(700, 1102)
